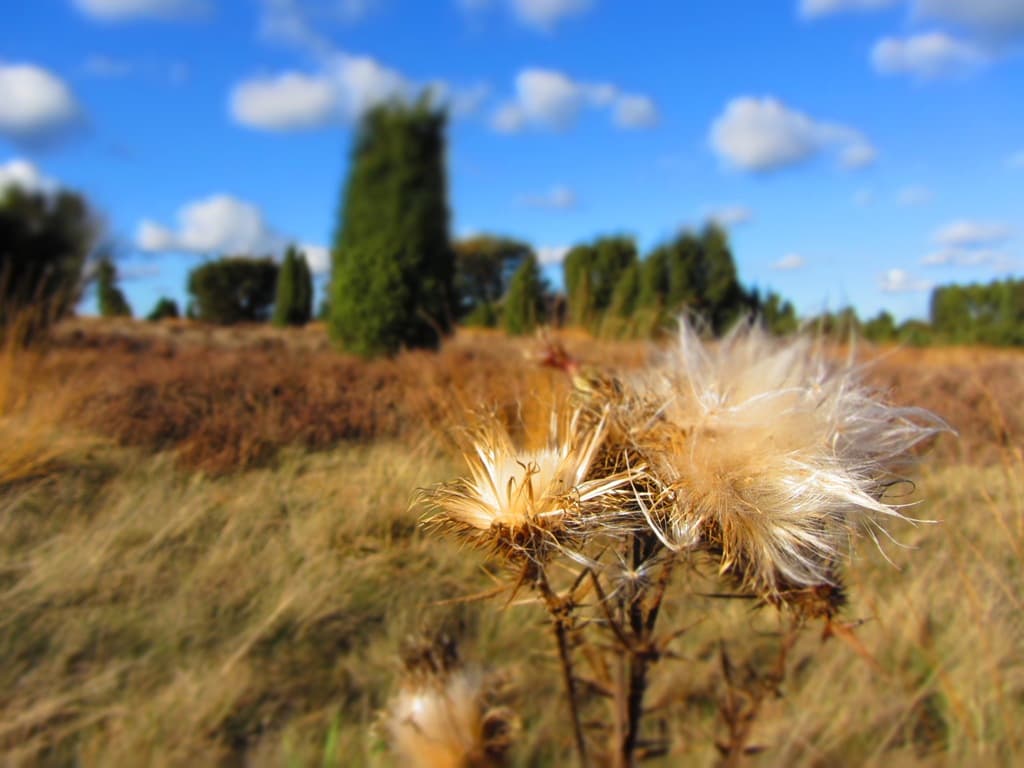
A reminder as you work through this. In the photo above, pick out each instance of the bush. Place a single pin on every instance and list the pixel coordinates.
(165, 308)
(44, 243)
(294, 302)
(484, 266)
(112, 302)
(524, 304)
(233, 290)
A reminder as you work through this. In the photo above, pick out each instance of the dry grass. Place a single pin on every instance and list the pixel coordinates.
(152, 615)
(35, 415)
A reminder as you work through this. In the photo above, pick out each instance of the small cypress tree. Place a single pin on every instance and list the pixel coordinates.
(294, 302)
(393, 263)
(524, 302)
(164, 308)
(112, 302)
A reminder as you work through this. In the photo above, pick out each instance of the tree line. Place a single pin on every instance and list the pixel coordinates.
(399, 280)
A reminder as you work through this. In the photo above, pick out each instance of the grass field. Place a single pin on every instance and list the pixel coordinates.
(207, 556)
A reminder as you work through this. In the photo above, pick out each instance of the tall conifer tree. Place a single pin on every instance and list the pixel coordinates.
(393, 262)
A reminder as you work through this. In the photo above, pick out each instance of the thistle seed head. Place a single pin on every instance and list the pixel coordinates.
(770, 456)
(444, 716)
(523, 502)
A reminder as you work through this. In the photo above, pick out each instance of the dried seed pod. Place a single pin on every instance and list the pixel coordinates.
(770, 456)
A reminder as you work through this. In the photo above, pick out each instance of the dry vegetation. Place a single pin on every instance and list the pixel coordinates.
(208, 557)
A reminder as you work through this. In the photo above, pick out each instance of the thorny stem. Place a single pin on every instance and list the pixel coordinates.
(561, 610)
(739, 716)
(642, 651)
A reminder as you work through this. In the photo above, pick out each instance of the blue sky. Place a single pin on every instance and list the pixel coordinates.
(859, 151)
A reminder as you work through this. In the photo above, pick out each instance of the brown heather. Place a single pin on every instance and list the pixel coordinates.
(207, 557)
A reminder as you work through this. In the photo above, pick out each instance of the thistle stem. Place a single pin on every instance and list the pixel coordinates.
(560, 611)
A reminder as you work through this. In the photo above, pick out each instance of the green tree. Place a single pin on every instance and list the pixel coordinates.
(591, 273)
(45, 241)
(233, 290)
(653, 280)
(484, 265)
(686, 274)
(695, 273)
(164, 308)
(393, 264)
(915, 333)
(723, 298)
(881, 328)
(778, 315)
(523, 308)
(839, 326)
(626, 293)
(293, 304)
(112, 302)
(577, 271)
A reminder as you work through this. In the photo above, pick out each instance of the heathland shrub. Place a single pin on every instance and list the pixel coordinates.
(755, 462)
(232, 290)
(45, 240)
(523, 308)
(164, 308)
(294, 302)
(110, 298)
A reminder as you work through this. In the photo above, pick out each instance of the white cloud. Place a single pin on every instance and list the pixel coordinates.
(508, 118)
(763, 134)
(913, 195)
(966, 233)
(730, 215)
(134, 272)
(288, 101)
(36, 106)
(344, 91)
(1016, 159)
(544, 15)
(901, 281)
(560, 198)
(318, 257)
(98, 65)
(224, 225)
(356, 10)
(363, 82)
(154, 238)
(552, 254)
(463, 102)
(858, 152)
(219, 224)
(926, 56)
(815, 8)
(995, 19)
(549, 99)
(174, 72)
(121, 10)
(965, 257)
(346, 85)
(636, 112)
(864, 197)
(24, 174)
(789, 262)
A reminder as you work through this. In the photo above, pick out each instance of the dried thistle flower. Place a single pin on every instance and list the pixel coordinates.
(445, 716)
(524, 502)
(770, 456)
